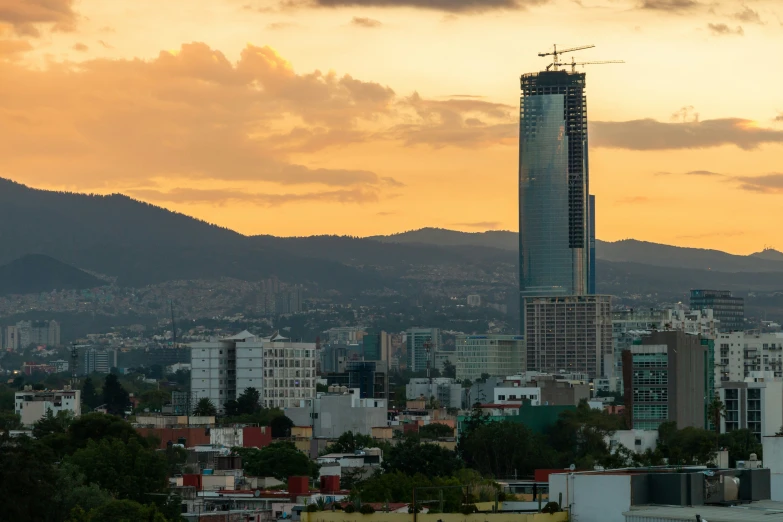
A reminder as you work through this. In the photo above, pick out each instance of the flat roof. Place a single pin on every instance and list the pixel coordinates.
(762, 511)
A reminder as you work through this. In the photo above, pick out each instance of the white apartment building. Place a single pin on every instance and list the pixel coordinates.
(332, 414)
(755, 404)
(32, 405)
(283, 372)
(738, 354)
(517, 394)
(493, 354)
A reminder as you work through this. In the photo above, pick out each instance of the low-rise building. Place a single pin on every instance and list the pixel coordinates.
(32, 405)
(446, 391)
(637, 441)
(340, 410)
(755, 404)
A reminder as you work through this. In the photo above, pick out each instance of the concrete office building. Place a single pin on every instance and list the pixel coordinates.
(569, 334)
(370, 378)
(99, 360)
(422, 343)
(341, 410)
(554, 204)
(739, 354)
(32, 405)
(666, 379)
(729, 310)
(493, 354)
(283, 372)
(755, 404)
(629, 326)
(345, 334)
(447, 392)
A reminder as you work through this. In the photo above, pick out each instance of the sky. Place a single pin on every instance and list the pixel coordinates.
(363, 117)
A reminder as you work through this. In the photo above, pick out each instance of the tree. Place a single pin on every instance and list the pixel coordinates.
(449, 370)
(126, 470)
(90, 397)
(115, 397)
(231, 408)
(281, 426)
(51, 424)
(349, 442)
(205, 408)
(687, 445)
(280, 460)
(27, 475)
(436, 431)
(503, 449)
(153, 400)
(716, 410)
(99, 426)
(10, 420)
(249, 402)
(580, 436)
(740, 443)
(411, 457)
(120, 511)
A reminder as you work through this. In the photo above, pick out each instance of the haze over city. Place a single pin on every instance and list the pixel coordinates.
(379, 117)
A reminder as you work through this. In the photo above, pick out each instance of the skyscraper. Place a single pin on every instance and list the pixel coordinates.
(554, 208)
(591, 271)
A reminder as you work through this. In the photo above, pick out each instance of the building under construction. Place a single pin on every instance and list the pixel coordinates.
(553, 185)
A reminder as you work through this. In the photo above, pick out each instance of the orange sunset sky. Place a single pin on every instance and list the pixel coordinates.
(361, 117)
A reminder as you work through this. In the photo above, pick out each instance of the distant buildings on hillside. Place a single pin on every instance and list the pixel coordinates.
(25, 333)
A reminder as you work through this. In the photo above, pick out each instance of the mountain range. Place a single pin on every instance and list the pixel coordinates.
(140, 244)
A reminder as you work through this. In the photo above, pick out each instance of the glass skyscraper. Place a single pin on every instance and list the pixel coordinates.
(554, 205)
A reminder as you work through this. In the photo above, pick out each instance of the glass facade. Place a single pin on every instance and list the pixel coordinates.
(729, 310)
(553, 186)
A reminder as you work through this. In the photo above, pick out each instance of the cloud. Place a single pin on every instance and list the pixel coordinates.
(190, 114)
(669, 5)
(454, 6)
(779, 117)
(105, 45)
(725, 30)
(12, 49)
(365, 22)
(702, 173)
(222, 197)
(24, 15)
(382, 214)
(765, 184)
(649, 134)
(276, 26)
(78, 46)
(748, 15)
(478, 224)
(459, 122)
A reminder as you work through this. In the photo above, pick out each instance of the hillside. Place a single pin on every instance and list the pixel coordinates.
(142, 244)
(35, 273)
(500, 239)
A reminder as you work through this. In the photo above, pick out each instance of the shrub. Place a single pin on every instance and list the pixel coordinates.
(551, 507)
(312, 508)
(366, 509)
(469, 509)
(350, 508)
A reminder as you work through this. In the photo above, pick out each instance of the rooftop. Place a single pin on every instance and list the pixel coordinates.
(761, 511)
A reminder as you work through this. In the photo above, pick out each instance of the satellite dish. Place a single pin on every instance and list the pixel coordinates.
(572, 467)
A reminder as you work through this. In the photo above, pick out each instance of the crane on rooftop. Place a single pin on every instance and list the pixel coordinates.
(574, 63)
(555, 54)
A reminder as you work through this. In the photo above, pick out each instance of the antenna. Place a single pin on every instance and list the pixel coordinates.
(574, 63)
(555, 54)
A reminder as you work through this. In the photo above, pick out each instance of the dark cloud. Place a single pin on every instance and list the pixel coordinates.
(765, 184)
(78, 46)
(649, 134)
(702, 173)
(779, 117)
(669, 5)
(24, 15)
(221, 197)
(748, 15)
(365, 22)
(725, 30)
(439, 5)
(478, 224)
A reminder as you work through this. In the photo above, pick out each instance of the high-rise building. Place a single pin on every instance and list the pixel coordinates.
(752, 404)
(729, 310)
(11, 339)
(569, 334)
(422, 345)
(740, 354)
(376, 345)
(99, 360)
(40, 333)
(591, 273)
(370, 378)
(492, 354)
(665, 379)
(554, 232)
(283, 372)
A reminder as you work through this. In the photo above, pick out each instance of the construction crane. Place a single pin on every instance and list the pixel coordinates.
(555, 54)
(574, 63)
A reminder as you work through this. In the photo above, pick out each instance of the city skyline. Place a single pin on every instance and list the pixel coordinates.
(412, 121)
